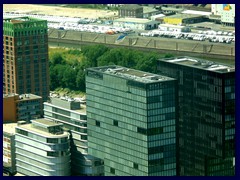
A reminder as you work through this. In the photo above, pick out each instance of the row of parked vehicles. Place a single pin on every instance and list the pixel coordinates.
(94, 28)
(200, 36)
(52, 18)
(74, 23)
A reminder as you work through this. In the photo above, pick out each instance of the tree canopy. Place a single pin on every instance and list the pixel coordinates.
(67, 69)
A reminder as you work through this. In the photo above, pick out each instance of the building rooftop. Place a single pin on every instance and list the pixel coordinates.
(183, 16)
(133, 20)
(45, 123)
(204, 13)
(130, 7)
(171, 9)
(19, 174)
(21, 20)
(81, 109)
(159, 16)
(9, 128)
(23, 97)
(171, 25)
(147, 9)
(9, 95)
(132, 74)
(201, 64)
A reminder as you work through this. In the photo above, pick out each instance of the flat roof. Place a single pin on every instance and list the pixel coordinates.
(183, 16)
(201, 64)
(158, 16)
(171, 9)
(19, 174)
(9, 95)
(130, 7)
(24, 19)
(43, 122)
(22, 97)
(171, 25)
(81, 110)
(132, 74)
(25, 97)
(204, 13)
(9, 128)
(147, 9)
(133, 20)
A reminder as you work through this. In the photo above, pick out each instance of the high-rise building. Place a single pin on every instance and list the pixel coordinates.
(25, 56)
(42, 149)
(73, 116)
(206, 114)
(21, 107)
(132, 121)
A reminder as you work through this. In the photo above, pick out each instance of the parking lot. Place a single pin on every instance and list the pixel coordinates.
(207, 35)
(213, 26)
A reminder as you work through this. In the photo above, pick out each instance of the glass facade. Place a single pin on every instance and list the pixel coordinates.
(206, 114)
(68, 114)
(42, 149)
(132, 124)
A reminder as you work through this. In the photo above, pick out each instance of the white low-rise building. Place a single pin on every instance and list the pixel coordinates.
(73, 116)
(136, 23)
(174, 28)
(42, 149)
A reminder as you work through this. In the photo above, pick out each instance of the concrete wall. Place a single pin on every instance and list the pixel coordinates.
(9, 109)
(66, 104)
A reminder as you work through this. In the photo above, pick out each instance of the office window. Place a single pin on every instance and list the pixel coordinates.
(98, 123)
(112, 170)
(20, 131)
(135, 165)
(52, 154)
(115, 123)
(141, 130)
(50, 140)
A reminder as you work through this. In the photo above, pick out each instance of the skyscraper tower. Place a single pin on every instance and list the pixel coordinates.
(206, 115)
(25, 56)
(132, 121)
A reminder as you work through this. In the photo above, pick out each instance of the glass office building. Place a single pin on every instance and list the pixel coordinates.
(132, 121)
(73, 116)
(42, 149)
(206, 115)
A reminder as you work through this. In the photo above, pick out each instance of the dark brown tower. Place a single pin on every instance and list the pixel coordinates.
(25, 56)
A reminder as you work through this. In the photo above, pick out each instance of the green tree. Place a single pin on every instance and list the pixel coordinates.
(80, 80)
(92, 53)
(168, 55)
(148, 62)
(69, 78)
(54, 83)
(59, 68)
(57, 59)
(114, 56)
